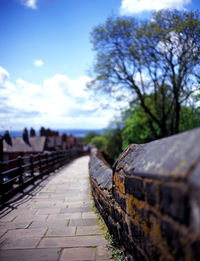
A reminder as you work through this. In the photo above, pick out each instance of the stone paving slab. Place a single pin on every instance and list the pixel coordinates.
(83, 222)
(79, 254)
(76, 209)
(15, 225)
(89, 215)
(65, 216)
(20, 243)
(55, 221)
(88, 230)
(24, 233)
(27, 218)
(78, 241)
(46, 211)
(30, 255)
(61, 231)
(2, 232)
(49, 223)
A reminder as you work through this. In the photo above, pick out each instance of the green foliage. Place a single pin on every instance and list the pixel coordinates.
(157, 61)
(88, 137)
(112, 141)
(116, 251)
(93, 246)
(99, 142)
(189, 118)
(114, 144)
(136, 127)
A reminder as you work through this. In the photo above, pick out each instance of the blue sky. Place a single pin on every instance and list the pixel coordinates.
(45, 56)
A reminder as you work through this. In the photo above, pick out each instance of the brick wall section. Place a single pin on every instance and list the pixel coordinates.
(150, 200)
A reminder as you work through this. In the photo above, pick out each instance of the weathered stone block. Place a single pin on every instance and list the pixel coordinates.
(170, 157)
(113, 228)
(135, 252)
(123, 224)
(154, 243)
(126, 158)
(135, 187)
(136, 209)
(174, 202)
(195, 212)
(116, 213)
(175, 240)
(151, 190)
(119, 182)
(194, 178)
(105, 204)
(140, 211)
(120, 199)
(101, 173)
(196, 250)
(137, 233)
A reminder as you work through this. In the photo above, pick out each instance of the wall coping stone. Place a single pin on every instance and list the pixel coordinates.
(174, 157)
(101, 173)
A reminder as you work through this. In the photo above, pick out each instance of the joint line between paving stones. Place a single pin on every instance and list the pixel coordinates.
(76, 230)
(29, 225)
(60, 254)
(4, 233)
(42, 237)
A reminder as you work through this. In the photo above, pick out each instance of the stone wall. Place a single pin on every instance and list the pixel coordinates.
(150, 199)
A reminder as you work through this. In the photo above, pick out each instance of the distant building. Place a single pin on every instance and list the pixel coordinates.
(54, 143)
(47, 141)
(20, 146)
(73, 142)
(48, 132)
(32, 132)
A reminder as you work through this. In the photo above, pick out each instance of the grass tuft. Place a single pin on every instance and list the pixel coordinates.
(116, 252)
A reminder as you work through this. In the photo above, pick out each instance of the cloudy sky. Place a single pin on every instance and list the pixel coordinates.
(45, 56)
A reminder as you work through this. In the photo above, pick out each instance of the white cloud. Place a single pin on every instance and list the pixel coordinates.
(59, 102)
(38, 63)
(129, 7)
(30, 3)
(4, 76)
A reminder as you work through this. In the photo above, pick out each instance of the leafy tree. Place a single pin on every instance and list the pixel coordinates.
(114, 145)
(137, 129)
(99, 142)
(88, 137)
(157, 61)
(113, 137)
(189, 118)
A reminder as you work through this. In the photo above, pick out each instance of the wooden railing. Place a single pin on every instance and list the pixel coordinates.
(17, 174)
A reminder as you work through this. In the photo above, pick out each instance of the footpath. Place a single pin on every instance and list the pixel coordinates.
(55, 221)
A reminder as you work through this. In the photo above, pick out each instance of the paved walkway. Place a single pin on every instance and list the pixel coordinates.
(55, 221)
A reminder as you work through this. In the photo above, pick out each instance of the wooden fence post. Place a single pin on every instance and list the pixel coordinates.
(60, 159)
(20, 173)
(40, 164)
(1, 185)
(54, 161)
(32, 166)
(47, 163)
